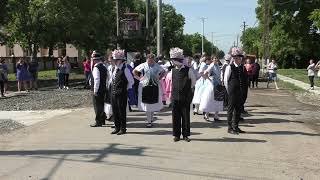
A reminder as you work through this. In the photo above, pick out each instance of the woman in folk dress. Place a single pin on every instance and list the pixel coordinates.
(201, 83)
(208, 103)
(148, 101)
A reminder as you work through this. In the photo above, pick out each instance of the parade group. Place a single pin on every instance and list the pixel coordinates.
(184, 83)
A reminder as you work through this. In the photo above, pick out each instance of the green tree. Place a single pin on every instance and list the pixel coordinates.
(251, 40)
(315, 17)
(294, 37)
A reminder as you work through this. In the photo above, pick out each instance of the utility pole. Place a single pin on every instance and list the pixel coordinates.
(147, 22)
(212, 42)
(237, 40)
(159, 28)
(202, 41)
(118, 23)
(266, 32)
(244, 26)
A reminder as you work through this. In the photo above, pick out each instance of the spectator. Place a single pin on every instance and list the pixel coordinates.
(255, 73)
(67, 72)
(311, 72)
(60, 73)
(272, 73)
(318, 69)
(87, 71)
(33, 68)
(22, 74)
(2, 81)
(249, 68)
(5, 70)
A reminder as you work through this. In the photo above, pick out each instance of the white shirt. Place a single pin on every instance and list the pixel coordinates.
(203, 67)
(96, 78)
(194, 65)
(191, 75)
(272, 67)
(127, 73)
(227, 75)
(311, 69)
(167, 65)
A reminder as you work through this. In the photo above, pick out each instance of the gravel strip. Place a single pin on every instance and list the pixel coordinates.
(7, 126)
(47, 99)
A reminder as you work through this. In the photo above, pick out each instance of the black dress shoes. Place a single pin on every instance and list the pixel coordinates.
(186, 139)
(232, 131)
(238, 130)
(96, 125)
(121, 132)
(176, 139)
(116, 131)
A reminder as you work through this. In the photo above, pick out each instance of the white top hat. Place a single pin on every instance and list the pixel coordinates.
(227, 57)
(176, 53)
(236, 51)
(118, 54)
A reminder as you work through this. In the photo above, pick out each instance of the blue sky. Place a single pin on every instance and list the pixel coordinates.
(224, 18)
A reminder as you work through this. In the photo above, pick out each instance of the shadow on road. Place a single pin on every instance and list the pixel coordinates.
(284, 133)
(270, 120)
(226, 139)
(160, 132)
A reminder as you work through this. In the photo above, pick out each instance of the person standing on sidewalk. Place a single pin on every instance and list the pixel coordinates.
(234, 81)
(272, 73)
(60, 73)
(122, 80)
(33, 69)
(99, 87)
(87, 71)
(67, 66)
(5, 70)
(22, 75)
(256, 72)
(183, 80)
(150, 92)
(2, 81)
(311, 73)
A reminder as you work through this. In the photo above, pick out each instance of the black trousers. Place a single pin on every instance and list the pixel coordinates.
(234, 109)
(255, 80)
(311, 79)
(243, 100)
(66, 79)
(119, 109)
(98, 105)
(2, 87)
(181, 118)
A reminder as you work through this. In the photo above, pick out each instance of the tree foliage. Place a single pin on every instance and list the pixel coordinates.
(89, 25)
(294, 37)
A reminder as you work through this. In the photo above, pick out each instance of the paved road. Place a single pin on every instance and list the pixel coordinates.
(282, 143)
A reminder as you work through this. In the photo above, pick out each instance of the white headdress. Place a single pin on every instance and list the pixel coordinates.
(236, 51)
(227, 57)
(118, 54)
(176, 53)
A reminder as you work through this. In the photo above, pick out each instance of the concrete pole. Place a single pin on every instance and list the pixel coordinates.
(159, 28)
(118, 23)
(202, 40)
(147, 21)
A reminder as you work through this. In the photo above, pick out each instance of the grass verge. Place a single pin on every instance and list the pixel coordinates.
(298, 74)
(76, 74)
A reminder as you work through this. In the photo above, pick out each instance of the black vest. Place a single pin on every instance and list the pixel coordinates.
(181, 85)
(103, 78)
(120, 82)
(236, 82)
